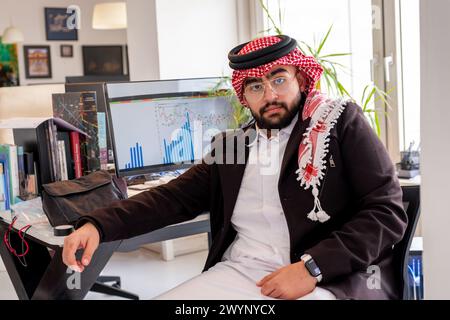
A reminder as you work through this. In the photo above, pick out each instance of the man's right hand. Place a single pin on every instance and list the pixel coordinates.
(87, 237)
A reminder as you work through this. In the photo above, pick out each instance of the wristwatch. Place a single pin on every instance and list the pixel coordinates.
(312, 267)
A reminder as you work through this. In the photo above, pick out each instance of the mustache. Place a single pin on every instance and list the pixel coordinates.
(273, 103)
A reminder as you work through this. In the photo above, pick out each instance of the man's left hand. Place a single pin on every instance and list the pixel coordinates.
(290, 282)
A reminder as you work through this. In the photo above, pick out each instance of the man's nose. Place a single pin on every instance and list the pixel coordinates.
(269, 93)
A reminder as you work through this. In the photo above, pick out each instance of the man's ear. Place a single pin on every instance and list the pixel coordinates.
(245, 101)
(302, 80)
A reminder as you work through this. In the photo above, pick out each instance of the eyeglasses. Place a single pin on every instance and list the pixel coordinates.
(254, 91)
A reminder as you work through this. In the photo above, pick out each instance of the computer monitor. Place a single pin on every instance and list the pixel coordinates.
(105, 78)
(164, 125)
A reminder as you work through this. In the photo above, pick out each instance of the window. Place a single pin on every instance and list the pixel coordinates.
(410, 72)
(351, 22)
(383, 39)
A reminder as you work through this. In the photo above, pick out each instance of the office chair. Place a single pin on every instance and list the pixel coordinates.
(411, 203)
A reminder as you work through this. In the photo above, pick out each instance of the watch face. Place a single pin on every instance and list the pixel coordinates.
(312, 268)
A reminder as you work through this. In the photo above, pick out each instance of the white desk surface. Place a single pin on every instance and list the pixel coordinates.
(42, 231)
(416, 244)
(410, 182)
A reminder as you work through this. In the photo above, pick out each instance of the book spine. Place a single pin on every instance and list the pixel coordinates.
(62, 156)
(50, 153)
(30, 174)
(21, 169)
(6, 187)
(102, 143)
(5, 153)
(68, 159)
(2, 189)
(75, 144)
(54, 142)
(14, 173)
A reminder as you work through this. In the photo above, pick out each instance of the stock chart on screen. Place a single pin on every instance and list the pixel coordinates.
(159, 131)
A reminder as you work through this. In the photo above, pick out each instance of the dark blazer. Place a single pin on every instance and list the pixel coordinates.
(360, 192)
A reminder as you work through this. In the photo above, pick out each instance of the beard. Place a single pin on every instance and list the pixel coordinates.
(281, 119)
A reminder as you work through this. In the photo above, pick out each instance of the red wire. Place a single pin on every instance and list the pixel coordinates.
(21, 236)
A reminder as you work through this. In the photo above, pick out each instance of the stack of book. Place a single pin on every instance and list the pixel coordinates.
(17, 175)
(80, 110)
(45, 150)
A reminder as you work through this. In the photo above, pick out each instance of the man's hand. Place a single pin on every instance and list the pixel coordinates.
(87, 238)
(290, 282)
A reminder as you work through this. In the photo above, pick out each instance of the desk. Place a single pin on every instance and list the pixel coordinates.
(46, 277)
(167, 235)
(198, 225)
(410, 182)
(416, 245)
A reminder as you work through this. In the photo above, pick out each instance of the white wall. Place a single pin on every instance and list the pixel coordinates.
(28, 16)
(169, 39)
(195, 36)
(26, 101)
(142, 35)
(435, 133)
(166, 38)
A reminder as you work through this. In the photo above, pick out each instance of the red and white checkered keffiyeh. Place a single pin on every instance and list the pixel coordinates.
(308, 65)
(323, 113)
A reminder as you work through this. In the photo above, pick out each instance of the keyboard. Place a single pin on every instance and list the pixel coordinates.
(154, 178)
(147, 183)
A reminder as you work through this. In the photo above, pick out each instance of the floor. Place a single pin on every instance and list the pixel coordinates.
(142, 272)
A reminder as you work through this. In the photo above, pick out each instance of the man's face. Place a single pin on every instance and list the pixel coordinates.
(274, 99)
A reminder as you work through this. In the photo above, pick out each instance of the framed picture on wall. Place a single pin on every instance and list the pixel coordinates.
(58, 25)
(66, 51)
(37, 62)
(103, 60)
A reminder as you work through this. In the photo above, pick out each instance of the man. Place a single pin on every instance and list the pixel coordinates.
(309, 225)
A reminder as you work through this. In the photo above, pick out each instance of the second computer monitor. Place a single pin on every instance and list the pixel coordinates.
(164, 125)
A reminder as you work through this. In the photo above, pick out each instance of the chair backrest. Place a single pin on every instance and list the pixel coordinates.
(411, 203)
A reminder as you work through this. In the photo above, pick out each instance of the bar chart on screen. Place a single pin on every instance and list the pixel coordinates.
(136, 157)
(182, 147)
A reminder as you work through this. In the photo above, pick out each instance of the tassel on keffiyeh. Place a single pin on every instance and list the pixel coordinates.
(313, 148)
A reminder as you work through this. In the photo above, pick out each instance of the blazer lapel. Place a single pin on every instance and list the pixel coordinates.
(293, 144)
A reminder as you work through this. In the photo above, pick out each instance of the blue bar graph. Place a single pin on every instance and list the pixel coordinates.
(181, 149)
(136, 157)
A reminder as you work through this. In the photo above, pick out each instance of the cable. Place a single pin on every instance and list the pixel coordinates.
(24, 244)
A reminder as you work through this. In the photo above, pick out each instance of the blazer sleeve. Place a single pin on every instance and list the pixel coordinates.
(179, 200)
(380, 220)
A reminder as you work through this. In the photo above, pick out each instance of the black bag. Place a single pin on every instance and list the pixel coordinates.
(64, 202)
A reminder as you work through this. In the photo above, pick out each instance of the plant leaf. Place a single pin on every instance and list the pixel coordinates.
(322, 43)
(336, 55)
(369, 97)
